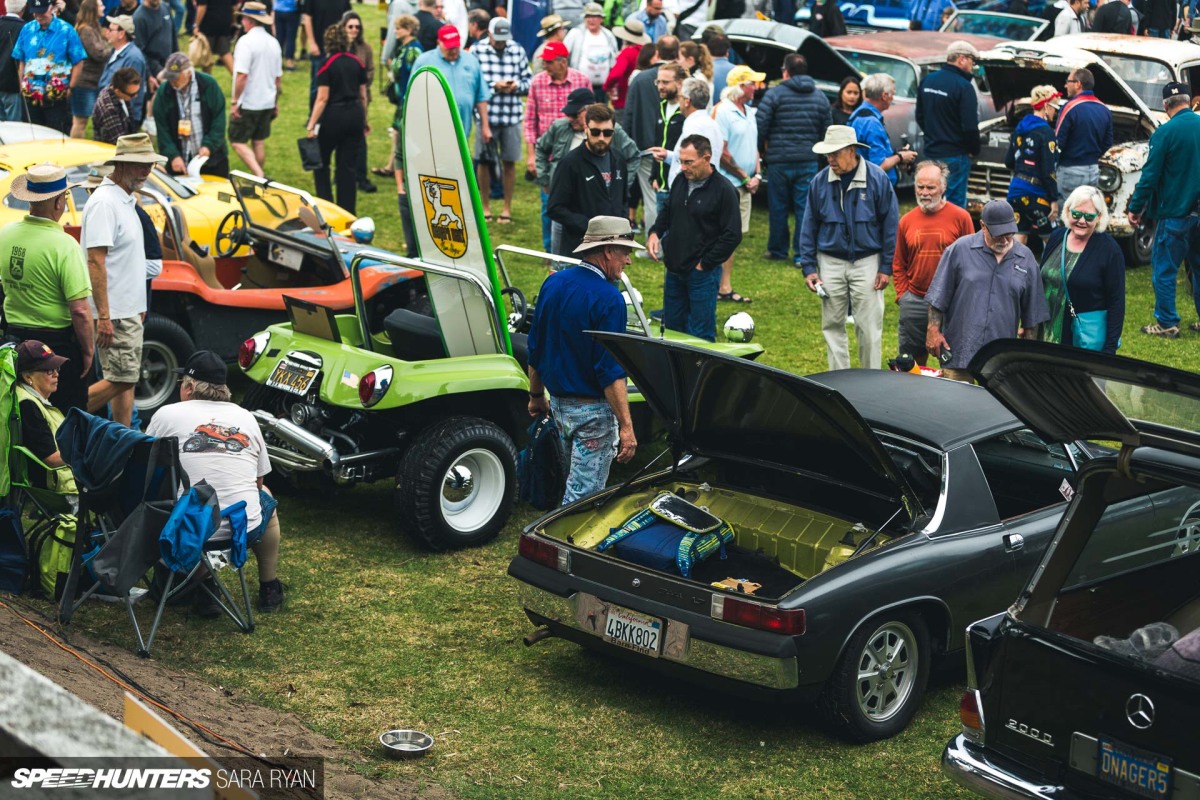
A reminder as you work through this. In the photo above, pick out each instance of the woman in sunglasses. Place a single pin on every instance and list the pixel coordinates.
(1083, 271)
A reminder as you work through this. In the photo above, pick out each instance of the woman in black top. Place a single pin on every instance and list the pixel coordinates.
(342, 92)
(849, 98)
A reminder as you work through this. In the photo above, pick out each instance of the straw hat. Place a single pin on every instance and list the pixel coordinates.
(97, 172)
(552, 23)
(40, 182)
(136, 148)
(633, 32)
(603, 231)
(837, 137)
(257, 12)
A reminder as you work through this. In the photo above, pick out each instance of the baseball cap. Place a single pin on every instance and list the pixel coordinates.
(34, 356)
(999, 218)
(176, 63)
(1174, 89)
(449, 37)
(124, 22)
(204, 365)
(961, 48)
(554, 50)
(500, 29)
(577, 100)
(743, 74)
(39, 6)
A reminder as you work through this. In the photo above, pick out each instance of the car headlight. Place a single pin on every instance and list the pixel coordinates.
(1110, 178)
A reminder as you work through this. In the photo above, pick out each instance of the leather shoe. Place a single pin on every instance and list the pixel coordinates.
(367, 187)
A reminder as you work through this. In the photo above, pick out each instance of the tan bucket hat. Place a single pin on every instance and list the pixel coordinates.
(836, 138)
(97, 172)
(633, 31)
(552, 23)
(602, 231)
(258, 12)
(40, 182)
(136, 148)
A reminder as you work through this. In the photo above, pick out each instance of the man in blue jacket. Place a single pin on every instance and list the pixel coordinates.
(126, 54)
(1084, 131)
(792, 117)
(879, 90)
(847, 244)
(1168, 192)
(948, 113)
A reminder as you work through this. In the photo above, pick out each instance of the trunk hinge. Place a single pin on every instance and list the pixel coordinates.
(1124, 468)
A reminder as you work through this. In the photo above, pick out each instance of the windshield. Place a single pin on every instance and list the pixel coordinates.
(1145, 76)
(901, 70)
(180, 189)
(1001, 26)
(277, 207)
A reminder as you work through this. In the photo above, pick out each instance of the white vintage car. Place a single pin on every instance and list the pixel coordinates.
(1130, 73)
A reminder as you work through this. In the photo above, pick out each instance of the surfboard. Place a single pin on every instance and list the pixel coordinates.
(439, 177)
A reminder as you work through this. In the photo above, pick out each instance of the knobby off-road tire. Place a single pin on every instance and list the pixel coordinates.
(880, 679)
(165, 346)
(457, 483)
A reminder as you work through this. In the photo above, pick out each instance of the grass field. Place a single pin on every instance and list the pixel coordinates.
(379, 633)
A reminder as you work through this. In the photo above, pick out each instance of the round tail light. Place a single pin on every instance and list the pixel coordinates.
(374, 385)
(252, 349)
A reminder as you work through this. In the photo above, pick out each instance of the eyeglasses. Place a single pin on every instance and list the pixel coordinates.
(1070, 80)
(1077, 215)
(605, 132)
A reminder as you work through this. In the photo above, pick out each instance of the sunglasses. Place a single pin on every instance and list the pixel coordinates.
(353, 27)
(1083, 215)
(605, 132)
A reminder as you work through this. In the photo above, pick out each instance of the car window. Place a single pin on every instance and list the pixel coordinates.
(1145, 76)
(901, 70)
(1000, 26)
(920, 466)
(159, 179)
(1024, 472)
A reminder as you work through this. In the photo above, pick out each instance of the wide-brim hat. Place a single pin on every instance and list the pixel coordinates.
(258, 12)
(97, 172)
(605, 231)
(552, 23)
(40, 182)
(837, 137)
(135, 148)
(633, 32)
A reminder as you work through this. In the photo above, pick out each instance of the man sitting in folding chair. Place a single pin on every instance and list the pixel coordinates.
(221, 443)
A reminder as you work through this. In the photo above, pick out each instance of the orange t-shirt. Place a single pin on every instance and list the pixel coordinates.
(920, 242)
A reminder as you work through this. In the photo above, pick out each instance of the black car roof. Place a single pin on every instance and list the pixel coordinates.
(943, 413)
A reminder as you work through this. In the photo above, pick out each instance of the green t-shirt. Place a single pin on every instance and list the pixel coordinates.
(42, 269)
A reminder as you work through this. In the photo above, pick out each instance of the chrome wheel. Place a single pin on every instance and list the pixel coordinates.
(472, 490)
(887, 671)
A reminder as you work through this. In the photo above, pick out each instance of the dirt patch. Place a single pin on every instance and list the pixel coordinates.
(260, 730)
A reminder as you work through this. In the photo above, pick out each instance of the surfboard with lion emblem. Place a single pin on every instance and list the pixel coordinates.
(447, 215)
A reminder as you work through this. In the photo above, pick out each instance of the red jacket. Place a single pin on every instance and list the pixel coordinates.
(618, 76)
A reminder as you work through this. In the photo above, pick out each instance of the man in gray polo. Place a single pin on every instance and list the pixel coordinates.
(987, 286)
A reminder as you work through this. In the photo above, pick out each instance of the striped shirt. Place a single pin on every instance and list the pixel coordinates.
(546, 101)
(509, 64)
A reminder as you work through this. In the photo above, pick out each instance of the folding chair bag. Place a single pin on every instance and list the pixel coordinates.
(51, 552)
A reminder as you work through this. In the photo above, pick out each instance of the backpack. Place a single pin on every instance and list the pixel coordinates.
(393, 93)
(14, 563)
(539, 466)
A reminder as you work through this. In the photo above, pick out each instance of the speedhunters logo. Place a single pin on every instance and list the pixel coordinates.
(129, 777)
(62, 778)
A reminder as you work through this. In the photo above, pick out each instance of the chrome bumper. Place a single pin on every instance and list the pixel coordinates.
(580, 612)
(977, 773)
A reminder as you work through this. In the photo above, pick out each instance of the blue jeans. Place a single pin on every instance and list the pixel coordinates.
(956, 186)
(787, 190)
(660, 201)
(588, 443)
(690, 302)
(545, 224)
(287, 25)
(11, 107)
(1159, 33)
(1176, 239)
(178, 13)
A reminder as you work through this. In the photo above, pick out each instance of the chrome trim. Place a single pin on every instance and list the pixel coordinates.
(314, 452)
(305, 357)
(583, 611)
(975, 772)
(1139, 710)
(939, 512)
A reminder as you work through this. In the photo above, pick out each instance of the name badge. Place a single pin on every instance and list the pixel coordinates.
(185, 127)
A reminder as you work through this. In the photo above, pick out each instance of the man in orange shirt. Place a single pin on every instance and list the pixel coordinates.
(924, 233)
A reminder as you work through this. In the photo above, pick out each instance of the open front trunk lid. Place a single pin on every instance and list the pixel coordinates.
(730, 408)
(1065, 394)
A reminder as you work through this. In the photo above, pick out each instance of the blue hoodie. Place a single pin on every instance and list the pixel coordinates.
(1032, 158)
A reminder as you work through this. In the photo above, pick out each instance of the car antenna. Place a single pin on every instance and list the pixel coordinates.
(600, 503)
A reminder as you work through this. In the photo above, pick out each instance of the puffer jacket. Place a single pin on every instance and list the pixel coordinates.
(792, 117)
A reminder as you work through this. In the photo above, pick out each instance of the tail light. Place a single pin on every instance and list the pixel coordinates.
(970, 713)
(374, 385)
(252, 349)
(736, 611)
(545, 553)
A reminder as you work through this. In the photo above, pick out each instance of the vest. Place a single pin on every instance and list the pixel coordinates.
(59, 481)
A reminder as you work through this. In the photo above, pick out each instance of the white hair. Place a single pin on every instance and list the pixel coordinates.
(697, 92)
(875, 86)
(731, 94)
(16, 7)
(1080, 196)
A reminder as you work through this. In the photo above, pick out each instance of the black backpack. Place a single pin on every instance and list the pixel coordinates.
(539, 466)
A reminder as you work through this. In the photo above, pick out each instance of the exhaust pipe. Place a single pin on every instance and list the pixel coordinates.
(315, 452)
(538, 635)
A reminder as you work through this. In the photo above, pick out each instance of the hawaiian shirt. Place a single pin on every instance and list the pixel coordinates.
(48, 55)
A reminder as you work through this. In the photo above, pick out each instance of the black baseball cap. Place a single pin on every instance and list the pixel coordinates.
(205, 365)
(578, 100)
(1174, 89)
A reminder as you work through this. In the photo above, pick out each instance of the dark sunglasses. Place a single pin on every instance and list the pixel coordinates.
(1083, 215)
(605, 132)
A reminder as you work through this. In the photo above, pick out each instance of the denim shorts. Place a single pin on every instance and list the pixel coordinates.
(268, 504)
(83, 101)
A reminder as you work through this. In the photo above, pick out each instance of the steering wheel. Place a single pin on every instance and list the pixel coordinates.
(231, 234)
(516, 320)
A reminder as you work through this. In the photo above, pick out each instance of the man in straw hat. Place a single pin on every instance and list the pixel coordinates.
(257, 78)
(112, 237)
(847, 243)
(553, 29)
(587, 386)
(45, 280)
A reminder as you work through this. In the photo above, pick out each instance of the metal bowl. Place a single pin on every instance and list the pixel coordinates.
(405, 744)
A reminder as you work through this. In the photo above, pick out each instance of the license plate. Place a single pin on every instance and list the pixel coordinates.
(291, 377)
(634, 631)
(1136, 771)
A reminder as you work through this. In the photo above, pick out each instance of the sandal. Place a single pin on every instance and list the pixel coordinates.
(503, 219)
(732, 297)
(381, 172)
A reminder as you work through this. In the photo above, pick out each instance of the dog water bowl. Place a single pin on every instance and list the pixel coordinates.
(404, 744)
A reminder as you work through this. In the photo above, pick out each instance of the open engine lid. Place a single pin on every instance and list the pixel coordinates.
(1065, 394)
(720, 406)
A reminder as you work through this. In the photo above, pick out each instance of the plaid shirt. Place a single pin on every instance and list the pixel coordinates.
(510, 64)
(110, 117)
(546, 101)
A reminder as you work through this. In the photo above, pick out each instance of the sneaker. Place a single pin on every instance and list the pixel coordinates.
(270, 597)
(1195, 326)
(1154, 329)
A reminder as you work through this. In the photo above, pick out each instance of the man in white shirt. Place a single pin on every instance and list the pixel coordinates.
(593, 49)
(257, 76)
(694, 95)
(113, 244)
(1070, 19)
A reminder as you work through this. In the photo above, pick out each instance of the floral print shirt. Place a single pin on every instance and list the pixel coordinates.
(48, 55)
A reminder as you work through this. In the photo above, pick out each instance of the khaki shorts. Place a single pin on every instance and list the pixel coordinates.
(251, 126)
(508, 139)
(744, 202)
(122, 362)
